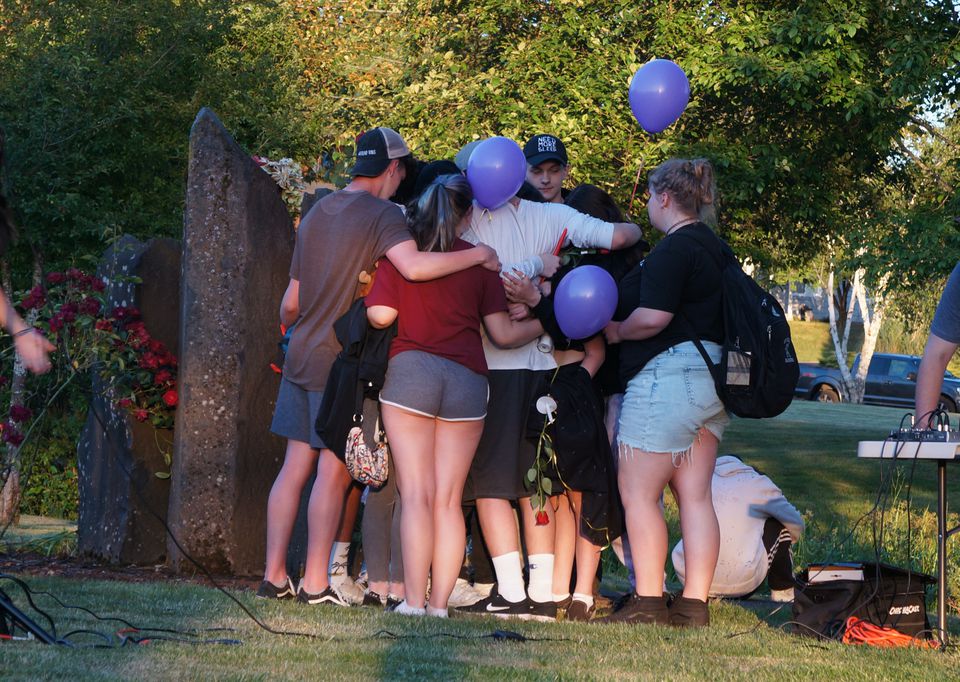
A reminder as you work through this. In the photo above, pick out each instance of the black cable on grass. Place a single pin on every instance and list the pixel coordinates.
(497, 635)
(131, 626)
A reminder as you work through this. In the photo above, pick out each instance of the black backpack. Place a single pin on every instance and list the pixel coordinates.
(758, 370)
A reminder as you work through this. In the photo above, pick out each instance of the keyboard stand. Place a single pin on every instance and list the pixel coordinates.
(942, 453)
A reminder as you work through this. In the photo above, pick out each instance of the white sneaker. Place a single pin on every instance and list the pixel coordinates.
(348, 590)
(463, 595)
(782, 595)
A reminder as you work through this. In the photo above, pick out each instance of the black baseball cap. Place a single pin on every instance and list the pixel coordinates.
(540, 148)
(376, 148)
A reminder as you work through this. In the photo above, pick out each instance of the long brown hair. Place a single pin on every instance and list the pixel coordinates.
(433, 218)
(692, 185)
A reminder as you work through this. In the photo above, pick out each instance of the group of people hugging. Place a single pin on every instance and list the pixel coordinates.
(632, 410)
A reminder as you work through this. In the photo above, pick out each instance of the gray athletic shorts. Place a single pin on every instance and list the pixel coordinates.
(295, 413)
(433, 386)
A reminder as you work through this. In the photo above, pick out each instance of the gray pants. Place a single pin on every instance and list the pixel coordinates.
(381, 533)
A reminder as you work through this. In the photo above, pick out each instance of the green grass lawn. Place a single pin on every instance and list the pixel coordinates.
(810, 451)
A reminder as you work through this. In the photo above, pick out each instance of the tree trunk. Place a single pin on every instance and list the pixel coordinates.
(871, 327)
(9, 499)
(10, 507)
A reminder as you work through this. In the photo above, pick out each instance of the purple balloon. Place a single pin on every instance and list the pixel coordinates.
(659, 93)
(495, 171)
(585, 301)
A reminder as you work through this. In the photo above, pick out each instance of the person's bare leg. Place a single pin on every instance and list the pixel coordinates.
(351, 507)
(692, 486)
(324, 516)
(642, 477)
(299, 463)
(412, 438)
(455, 446)
(498, 522)
(565, 544)
(588, 554)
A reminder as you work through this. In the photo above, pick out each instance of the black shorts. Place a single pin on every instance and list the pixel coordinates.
(504, 454)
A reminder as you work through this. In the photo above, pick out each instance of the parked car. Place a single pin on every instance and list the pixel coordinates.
(891, 381)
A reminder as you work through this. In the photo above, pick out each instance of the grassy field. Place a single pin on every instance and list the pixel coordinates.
(810, 451)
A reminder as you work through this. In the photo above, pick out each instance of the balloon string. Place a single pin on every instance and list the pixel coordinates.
(636, 184)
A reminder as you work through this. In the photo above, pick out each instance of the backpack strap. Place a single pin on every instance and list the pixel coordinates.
(691, 332)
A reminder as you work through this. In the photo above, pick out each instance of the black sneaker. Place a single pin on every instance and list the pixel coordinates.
(641, 610)
(371, 598)
(578, 611)
(496, 605)
(689, 613)
(544, 611)
(328, 596)
(268, 590)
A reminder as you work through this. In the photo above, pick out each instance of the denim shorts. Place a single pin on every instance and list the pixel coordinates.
(434, 386)
(670, 399)
(295, 413)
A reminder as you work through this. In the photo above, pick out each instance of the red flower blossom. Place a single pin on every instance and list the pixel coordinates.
(542, 518)
(149, 361)
(124, 403)
(12, 436)
(89, 306)
(20, 413)
(74, 274)
(56, 278)
(35, 299)
(68, 311)
(140, 415)
(162, 377)
(170, 398)
(104, 325)
(98, 284)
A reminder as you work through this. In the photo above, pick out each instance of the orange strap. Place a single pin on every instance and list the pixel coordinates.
(859, 631)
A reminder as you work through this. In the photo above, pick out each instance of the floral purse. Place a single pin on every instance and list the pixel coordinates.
(367, 465)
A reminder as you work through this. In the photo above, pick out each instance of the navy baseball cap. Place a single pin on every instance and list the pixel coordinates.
(540, 148)
(376, 149)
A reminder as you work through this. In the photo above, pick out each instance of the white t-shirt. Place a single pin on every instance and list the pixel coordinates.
(744, 499)
(518, 234)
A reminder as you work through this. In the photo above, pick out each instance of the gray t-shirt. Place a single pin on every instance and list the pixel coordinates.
(344, 234)
(946, 321)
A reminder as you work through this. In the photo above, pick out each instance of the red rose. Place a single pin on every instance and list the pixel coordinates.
(162, 377)
(170, 398)
(104, 325)
(140, 415)
(98, 284)
(124, 402)
(542, 518)
(56, 278)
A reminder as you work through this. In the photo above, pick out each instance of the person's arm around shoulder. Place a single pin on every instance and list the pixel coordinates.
(290, 304)
(419, 266)
(936, 356)
(625, 235)
(508, 333)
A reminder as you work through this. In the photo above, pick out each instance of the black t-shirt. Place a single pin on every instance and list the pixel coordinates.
(680, 276)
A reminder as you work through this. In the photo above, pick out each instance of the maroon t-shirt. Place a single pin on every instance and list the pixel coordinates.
(442, 316)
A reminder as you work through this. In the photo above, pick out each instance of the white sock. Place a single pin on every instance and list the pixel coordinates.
(560, 597)
(585, 598)
(541, 577)
(338, 559)
(404, 609)
(509, 576)
(437, 613)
